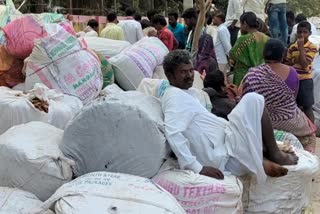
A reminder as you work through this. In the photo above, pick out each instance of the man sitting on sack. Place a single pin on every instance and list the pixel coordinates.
(209, 145)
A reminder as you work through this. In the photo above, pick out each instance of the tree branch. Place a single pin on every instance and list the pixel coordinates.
(204, 6)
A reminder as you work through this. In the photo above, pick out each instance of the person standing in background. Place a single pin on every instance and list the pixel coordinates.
(211, 29)
(112, 30)
(301, 55)
(290, 22)
(300, 18)
(177, 29)
(248, 50)
(234, 12)
(277, 11)
(151, 14)
(131, 28)
(255, 6)
(222, 42)
(164, 34)
(91, 30)
(190, 18)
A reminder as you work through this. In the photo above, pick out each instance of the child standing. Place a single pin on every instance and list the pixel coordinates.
(300, 56)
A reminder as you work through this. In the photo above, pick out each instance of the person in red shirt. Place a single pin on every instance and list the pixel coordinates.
(164, 34)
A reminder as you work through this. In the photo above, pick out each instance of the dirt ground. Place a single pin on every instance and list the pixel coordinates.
(316, 190)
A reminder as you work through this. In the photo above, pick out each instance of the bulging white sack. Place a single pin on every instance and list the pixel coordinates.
(103, 192)
(16, 107)
(106, 47)
(138, 61)
(30, 159)
(15, 201)
(123, 132)
(201, 194)
(288, 194)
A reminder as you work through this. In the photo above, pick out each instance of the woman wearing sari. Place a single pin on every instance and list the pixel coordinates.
(205, 60)
(279, 83)
(247, 52)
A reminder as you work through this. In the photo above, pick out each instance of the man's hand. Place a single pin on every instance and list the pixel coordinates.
(212, 172)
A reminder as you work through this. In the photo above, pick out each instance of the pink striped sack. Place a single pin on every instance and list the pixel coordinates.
(138, 61)
(20, 35)
(63, 62)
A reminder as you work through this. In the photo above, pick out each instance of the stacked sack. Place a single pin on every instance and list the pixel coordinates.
(30, 159)
(61, 61)
(288, 194)
(138, 61)
(201, 194)
(103, 192)
(123, 132)
(38, 104)
(106, 47)
(15, 201)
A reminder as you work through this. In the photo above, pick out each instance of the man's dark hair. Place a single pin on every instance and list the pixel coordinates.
(300, 17)
(290, 15)
(174, 59)
(221, 16)
(209, 19)
(137, 17)
(274, 50)
(159, 19)
(111, 16)
(145, 23)
(93, 23)
(130, 12)
(174, 14)
(190, 13)
(305, 24)
(250, 19)
(151, 14)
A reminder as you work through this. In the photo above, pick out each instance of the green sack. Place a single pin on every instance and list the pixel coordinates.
(107, 71)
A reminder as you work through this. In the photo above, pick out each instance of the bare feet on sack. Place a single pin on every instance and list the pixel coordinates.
(284, 159)
(274, 170)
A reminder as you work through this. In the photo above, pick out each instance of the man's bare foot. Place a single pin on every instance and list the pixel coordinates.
(274, 170)
(285, 159)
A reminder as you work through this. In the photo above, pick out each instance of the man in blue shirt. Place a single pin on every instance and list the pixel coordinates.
(177, 29)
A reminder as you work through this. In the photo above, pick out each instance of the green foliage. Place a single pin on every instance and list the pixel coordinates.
(307, 7)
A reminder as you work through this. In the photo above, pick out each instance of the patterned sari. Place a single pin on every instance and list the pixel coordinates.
(247, 53)
(281, 104)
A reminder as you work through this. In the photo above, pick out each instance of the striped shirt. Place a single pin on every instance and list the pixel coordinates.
(293, 59)
(112, 31)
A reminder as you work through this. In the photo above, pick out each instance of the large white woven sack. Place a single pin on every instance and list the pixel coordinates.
(61, 61)
(15, 201)
(106, 47)
(201, 194)
(288, 194)
(103, 192)
(123, 132)
(30, 159)
(138, 61)
(16, 107)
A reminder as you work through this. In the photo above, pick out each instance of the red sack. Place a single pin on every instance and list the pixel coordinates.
(21, 34)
